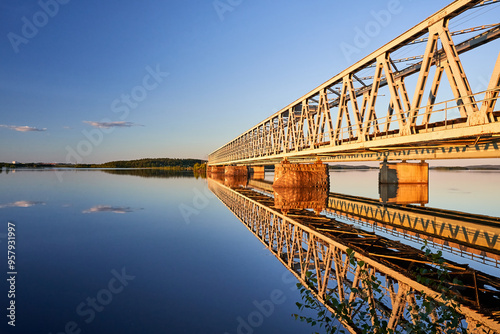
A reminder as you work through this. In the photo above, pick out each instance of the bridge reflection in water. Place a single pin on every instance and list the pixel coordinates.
(303, 241)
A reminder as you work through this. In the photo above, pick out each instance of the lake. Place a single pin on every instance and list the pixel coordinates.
(114, 251)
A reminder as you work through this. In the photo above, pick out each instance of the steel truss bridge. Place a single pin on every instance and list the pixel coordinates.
(341, 120)
(305, 242)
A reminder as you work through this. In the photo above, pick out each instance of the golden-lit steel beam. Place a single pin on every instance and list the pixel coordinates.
(317, 125)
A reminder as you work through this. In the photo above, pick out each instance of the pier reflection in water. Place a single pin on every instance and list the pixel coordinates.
(287, 199)
(404, 193)
(383, 236)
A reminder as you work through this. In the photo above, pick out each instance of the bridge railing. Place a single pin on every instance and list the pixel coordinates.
(265, 141)
(440, 116)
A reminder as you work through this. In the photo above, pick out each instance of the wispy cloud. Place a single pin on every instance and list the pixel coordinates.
(22, 128)
(112, 124)
(109, 208)
(21, 204)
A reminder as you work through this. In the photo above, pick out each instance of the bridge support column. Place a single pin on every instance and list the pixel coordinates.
(236, 171)
(236, 176)
(257, 172)
(404, 172)
(287, 175)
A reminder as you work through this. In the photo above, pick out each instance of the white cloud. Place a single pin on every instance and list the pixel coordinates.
(111, 124)
(24, 128)
(20, 204)
(108, 208)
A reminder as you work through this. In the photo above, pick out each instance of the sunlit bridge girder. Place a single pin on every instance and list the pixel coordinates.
(459, 32)
(346, 114)
(305, 242)
(486, 3)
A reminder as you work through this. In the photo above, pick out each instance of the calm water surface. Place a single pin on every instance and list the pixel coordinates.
(475, 192)
(468, 191)
(108, 252)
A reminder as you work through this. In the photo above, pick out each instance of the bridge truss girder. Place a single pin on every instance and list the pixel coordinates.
(318, 125)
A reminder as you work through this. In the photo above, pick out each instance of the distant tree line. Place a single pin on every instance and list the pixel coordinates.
(162, 163)
(150, 172)
(154, 163)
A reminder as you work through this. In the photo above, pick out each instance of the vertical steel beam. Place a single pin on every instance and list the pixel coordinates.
(491, 95)
(371, 116)
(395, 98)
(430, 49)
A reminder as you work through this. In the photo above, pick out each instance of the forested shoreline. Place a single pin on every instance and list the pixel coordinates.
(160, 163)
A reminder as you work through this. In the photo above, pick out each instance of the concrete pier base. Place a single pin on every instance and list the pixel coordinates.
(236, 171)
(404, 172)
(288, 175)
(236, 176)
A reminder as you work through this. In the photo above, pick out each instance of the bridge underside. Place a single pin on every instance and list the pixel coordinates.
(467, 147)
(473, 147)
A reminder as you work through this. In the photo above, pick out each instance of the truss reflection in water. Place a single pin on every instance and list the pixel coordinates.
(467, 235)
(304, 241)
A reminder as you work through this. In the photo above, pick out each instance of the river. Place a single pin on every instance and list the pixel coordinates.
(106, 251)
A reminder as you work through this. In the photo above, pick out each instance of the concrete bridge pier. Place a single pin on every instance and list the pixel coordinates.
(236, 176)
(236, 171)
(257, 172)
(288, 175)
(404, 173)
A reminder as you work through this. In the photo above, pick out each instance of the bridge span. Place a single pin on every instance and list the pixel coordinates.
(368, 112)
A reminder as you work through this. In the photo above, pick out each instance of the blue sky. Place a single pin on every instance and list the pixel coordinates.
(107, 80)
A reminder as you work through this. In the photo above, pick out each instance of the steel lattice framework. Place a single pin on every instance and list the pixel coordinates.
(468, 235)
(303, 241)
(339, 119)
